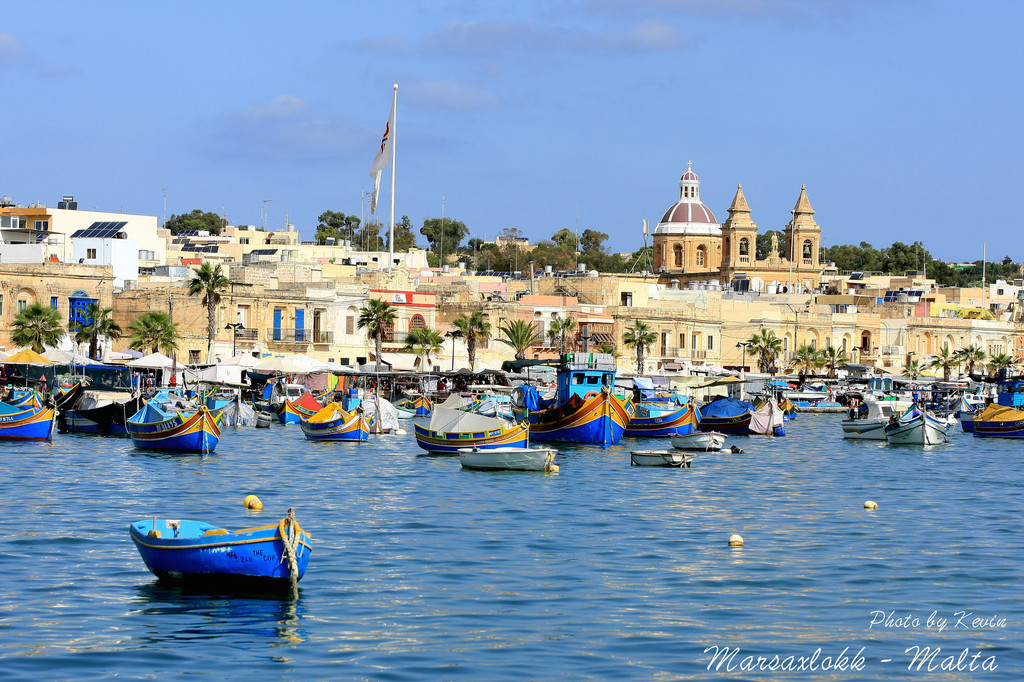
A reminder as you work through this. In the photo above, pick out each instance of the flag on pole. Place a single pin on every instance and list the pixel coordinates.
(383, 158)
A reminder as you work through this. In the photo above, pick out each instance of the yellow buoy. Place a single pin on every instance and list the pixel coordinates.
(735, 540)
(870, 504)
(252, 502)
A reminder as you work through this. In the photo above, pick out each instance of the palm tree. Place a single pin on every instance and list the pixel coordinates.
(102, 325)
(609, 349)
(520, 335)
(640, 336)
(426, 341)
(378, 318)
(832, 358)
(37, 326)
(970, 355)
(154, 330)
(209, 281)
(1000, 361)
(473, 329)
(946, 359)
(767, 346)
(559, 330)
(806, 359)
(912, 369)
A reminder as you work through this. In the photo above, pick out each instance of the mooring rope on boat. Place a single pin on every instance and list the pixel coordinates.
(290, 539)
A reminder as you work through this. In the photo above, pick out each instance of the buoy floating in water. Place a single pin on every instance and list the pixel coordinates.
(870, 504)
(252, 502)
(735, 540)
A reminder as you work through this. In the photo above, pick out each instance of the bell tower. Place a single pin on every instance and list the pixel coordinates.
(739, 234)
(803, 235)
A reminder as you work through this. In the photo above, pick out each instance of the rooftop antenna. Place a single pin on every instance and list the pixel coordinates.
(165, 207)
(264, 212)
(644, 254)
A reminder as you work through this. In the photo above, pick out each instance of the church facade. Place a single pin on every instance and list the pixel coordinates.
(691, 245)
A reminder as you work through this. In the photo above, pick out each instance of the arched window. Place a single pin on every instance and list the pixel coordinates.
(417, 322)
(744, 247)
(677, 250)
(702, 253)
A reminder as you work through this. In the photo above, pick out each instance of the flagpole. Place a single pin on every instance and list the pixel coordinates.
(391, 227)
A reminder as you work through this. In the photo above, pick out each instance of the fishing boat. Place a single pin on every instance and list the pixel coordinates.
(294, 411)
(916, 427)
(868, 420)
(585, 408)
(660, 458)
(450, 430)
(207, 555)
(662, 419)
(335, 423)
(159, 426)
(726, 415)
(999, 421)
(768, 418)
(705, 441)
(421, 406)
(511, 458)
(26, 423)
(100, 411)
(405, 412)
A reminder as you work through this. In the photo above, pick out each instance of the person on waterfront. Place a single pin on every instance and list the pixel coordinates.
(42, 388)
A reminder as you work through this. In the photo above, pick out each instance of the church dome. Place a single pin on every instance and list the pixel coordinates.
(688, 215)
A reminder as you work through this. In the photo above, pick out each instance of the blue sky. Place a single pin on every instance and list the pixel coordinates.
(902, 117)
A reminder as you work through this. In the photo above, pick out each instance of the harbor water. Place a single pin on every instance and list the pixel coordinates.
(424, 571)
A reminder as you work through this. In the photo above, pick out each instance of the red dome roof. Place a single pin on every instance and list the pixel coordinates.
(690, 175)
(689, 212)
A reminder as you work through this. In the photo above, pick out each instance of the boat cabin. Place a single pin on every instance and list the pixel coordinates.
(585, 374)
(1011, 393)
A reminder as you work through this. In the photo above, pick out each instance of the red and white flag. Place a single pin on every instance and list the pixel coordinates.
(383, 158)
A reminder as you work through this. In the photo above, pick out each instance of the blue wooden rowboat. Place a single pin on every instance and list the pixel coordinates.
(203, 554)
(335, 423)
(157, 427)
(26, 424)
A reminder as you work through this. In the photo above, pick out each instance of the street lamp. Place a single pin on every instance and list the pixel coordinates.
(234, 327)
(744, 345)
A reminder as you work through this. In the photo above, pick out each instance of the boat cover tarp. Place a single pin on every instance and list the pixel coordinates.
(307, 402)
(766, 418)
(526, 397)
(726, 407)
(237, 413)
(388, 413)
(456, 401)
(999, 413)
(447, 420)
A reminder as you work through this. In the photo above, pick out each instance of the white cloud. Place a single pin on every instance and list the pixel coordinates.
(450, 95)
(281, 108)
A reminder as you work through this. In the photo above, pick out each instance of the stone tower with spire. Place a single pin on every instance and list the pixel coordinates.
(739, 235)
(803, 236)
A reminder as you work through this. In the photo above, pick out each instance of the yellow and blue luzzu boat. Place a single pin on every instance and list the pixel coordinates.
(159, 427)
(662, 419)
(421, 405)
(205, 555)
(449, 430)
(32, 423)
(295, 411)
(335, 423)
(585, 409)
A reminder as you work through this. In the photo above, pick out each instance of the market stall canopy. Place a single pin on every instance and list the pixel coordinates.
(719, 381)
(244, 360)
(27, 356)
(66, 358)
(399, 361)
(293, 364)
(152, 361)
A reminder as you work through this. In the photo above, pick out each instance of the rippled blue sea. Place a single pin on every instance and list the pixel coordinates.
(424, 571)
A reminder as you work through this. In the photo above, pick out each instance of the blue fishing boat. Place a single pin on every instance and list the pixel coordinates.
(585, 408)
(421, 406)
(31, 423)
(999, 421)
(449, 430)
(203, 554)
(335, 423)
(157, 426)
(662, 419)
(726, 415)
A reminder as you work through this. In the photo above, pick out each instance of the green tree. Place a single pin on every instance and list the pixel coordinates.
(912, 369)
(473, 329)
(559, 330)
(566, 239)
(640, 336)
(448, 242)
(424, 342)
(154, 330)
(946, 359)
(405, 238)
(833, 358)
(806, 359)
(209, 280)
(970, 356)
(1000, 361)
(767, 346)
(337, 225)
(519, 335)
(763, 245)
(196, 220)
(101, 324)
(37, 326)
(377, 317)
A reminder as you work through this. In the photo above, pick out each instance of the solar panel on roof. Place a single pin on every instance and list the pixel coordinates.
(188, 232)
(100, 230)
